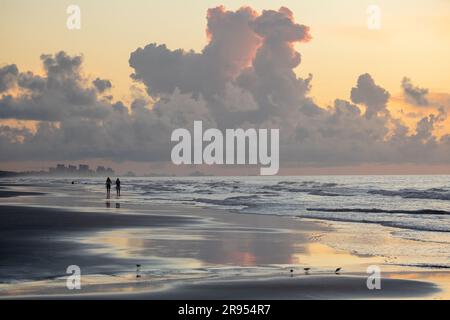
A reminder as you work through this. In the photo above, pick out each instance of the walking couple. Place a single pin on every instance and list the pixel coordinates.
(108, 187)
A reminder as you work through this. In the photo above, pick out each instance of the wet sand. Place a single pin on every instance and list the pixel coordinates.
(185, 253)
(324, 287)
(39, 243)
(10, 194)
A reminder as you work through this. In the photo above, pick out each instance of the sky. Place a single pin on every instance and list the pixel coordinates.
(413, 43)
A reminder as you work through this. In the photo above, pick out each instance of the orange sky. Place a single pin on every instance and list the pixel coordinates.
(414, 41)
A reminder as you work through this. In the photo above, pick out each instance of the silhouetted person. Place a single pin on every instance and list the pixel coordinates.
(118, 187)
(108, 187)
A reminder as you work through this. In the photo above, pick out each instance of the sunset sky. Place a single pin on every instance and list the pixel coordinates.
(413, 42)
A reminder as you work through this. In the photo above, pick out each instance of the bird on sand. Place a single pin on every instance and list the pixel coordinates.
(138, 270)
(306, 270)
(337, 270)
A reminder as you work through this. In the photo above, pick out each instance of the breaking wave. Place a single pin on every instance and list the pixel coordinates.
(375, 210)
(434, 193)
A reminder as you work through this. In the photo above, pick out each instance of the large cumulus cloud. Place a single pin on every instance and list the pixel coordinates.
(232, 45)
(243, 77)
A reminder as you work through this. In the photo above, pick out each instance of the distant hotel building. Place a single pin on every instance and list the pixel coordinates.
(83, 170)
(102, 171)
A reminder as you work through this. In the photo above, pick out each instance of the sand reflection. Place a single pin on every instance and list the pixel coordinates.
(207, 247)
(190, 247)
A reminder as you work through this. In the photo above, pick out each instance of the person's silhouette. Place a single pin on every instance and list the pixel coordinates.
(108, 187)
(118, 187)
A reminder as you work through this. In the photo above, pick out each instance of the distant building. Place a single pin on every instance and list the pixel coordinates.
(72, 169)
(60, 169)
(101, 170)
(82, 170)
(83, 167)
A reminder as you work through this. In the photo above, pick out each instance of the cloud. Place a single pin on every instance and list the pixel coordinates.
(232, 45)
(414, 94)
(96, 129)
(59, 94)
(102, 84)
(243, 77)
(374, 97)
(8, 77)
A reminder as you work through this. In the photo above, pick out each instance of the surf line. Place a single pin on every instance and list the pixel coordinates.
(237, 142)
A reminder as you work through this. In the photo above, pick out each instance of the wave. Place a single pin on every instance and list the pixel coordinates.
(158, 188)
(385, 223)
(308, 183)
(375, 210)
(230, 201)
(434, 193)
(425, 265)
(327, 193)
(310, 187)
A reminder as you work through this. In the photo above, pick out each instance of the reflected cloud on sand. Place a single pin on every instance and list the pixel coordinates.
(203, 248)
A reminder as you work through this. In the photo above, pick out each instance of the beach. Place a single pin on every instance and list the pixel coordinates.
(187, 251)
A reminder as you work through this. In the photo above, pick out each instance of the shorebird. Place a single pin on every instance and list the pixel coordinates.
(337, 270)
(138, 270)
(306, 270)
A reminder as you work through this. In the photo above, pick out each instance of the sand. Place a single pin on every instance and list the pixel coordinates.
(324, 287)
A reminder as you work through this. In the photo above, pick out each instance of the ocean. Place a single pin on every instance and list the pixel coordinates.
(412, 208)
(420, 203)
